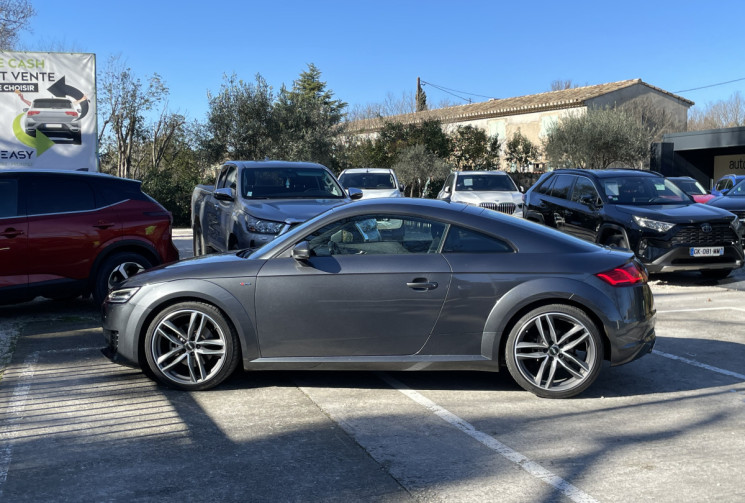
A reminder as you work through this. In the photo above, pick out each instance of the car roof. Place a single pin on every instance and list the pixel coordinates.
(612, 172)
(367, 170)
(477, 172)
(276, 164)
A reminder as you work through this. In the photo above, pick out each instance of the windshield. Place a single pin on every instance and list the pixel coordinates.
(289, 183)
(691, 186)
(59, 104)
(643, 190)
(738, 190)
(368, 180)
(485, 182)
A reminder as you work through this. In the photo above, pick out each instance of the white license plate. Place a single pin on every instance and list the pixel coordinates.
(53, 125)
(706, 251)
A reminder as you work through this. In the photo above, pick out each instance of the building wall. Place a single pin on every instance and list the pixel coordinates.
(645, 96)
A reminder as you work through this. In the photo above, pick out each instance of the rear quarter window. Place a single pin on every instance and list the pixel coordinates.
(49, 194)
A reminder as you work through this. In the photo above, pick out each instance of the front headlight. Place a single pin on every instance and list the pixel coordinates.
(263, 226)
(121, 296)
(654, 225)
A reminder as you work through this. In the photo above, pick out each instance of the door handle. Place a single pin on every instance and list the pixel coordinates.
(421, 284)
(11, 233)
(103, 225)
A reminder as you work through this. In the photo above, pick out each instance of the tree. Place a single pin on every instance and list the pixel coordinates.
(124, 101)
(473, 149)
(14, 17)
(240, 120)
(307, 118)
(596, 139)
(561, 85)
(520, 150)
(720, 114)
(416, 167)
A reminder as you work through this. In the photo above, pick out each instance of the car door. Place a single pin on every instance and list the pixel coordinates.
(582, 216)
(370, 288)
(66, 229)
(217, 212)
(13, 241)
(556, 201)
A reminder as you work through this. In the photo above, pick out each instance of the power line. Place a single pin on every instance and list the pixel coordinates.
(454, 91)
(711, 85)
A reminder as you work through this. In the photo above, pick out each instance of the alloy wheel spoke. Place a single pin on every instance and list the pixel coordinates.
(551, 375)
(176, 361)
(579, 365)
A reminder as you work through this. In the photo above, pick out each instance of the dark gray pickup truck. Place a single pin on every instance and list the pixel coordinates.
(255, 201)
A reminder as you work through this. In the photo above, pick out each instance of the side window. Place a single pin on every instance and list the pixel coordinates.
(460, 240)
(59, 195)
(8, 197)
(449, 181)
(230, 179)
(728, 184)
(722, 184)
(545, 187)
(377, 235)
(562, 186)
(221, 177)
(584, 190)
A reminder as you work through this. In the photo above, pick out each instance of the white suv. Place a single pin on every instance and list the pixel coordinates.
(374, 182)
(494, 190)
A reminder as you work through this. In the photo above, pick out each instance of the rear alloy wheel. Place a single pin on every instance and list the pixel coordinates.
(116, 269)
(191, 346)
(554, 351)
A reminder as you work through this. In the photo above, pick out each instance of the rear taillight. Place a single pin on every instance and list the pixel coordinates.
(629, 274)
(74, 114)
(33, 112)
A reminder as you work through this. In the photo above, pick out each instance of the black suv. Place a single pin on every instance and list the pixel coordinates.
(641, 211)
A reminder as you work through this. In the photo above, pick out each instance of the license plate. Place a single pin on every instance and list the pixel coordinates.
(706, 251)
(53, 125)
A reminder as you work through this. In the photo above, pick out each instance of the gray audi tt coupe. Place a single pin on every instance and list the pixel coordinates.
(395, 284)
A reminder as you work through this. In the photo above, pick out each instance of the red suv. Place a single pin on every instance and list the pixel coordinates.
(69, 233)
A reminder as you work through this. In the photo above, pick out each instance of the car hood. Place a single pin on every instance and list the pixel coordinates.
(292, 210)
(376, 193)
(223, 265)
(487, 196)
(677, 213)
(728, 202)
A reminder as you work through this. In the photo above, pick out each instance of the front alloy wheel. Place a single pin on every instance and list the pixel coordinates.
(191, 346)
(554, 351)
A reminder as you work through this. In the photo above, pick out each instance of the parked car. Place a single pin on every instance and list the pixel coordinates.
(67, 233)
(494, 190)
(733, 201)
(393, 284)
(726, 183)
(641, 211)
(56, 118)
(691, 187)
(374, 182)
(253, 202)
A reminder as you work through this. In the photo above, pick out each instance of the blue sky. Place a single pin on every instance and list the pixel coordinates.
(367, 50)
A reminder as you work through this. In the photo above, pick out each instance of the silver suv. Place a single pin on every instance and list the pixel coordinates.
(56, 118)
(494, 190)
(374, 182)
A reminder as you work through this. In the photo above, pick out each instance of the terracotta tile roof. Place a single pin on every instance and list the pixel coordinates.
(553, 100)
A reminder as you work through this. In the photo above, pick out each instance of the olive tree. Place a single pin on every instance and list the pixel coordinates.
(597, 139)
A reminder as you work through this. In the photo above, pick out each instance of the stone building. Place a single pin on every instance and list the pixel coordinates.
(532, 114)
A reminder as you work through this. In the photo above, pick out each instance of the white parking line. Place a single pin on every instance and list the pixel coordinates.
(700, 365)
(694, 362)
(533, 468)
(15, 413)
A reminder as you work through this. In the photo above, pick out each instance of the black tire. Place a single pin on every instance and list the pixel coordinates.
(191, 346)
(116, 269)
(554, 351)
(76, 139)
(716, 274)
(197, 242)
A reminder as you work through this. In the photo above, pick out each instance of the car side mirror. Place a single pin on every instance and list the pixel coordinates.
(589, 200)
(224, 194)
(354, 193)
(301, 251)
(724, 191)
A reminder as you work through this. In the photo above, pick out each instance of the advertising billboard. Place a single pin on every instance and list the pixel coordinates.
(48, 113)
